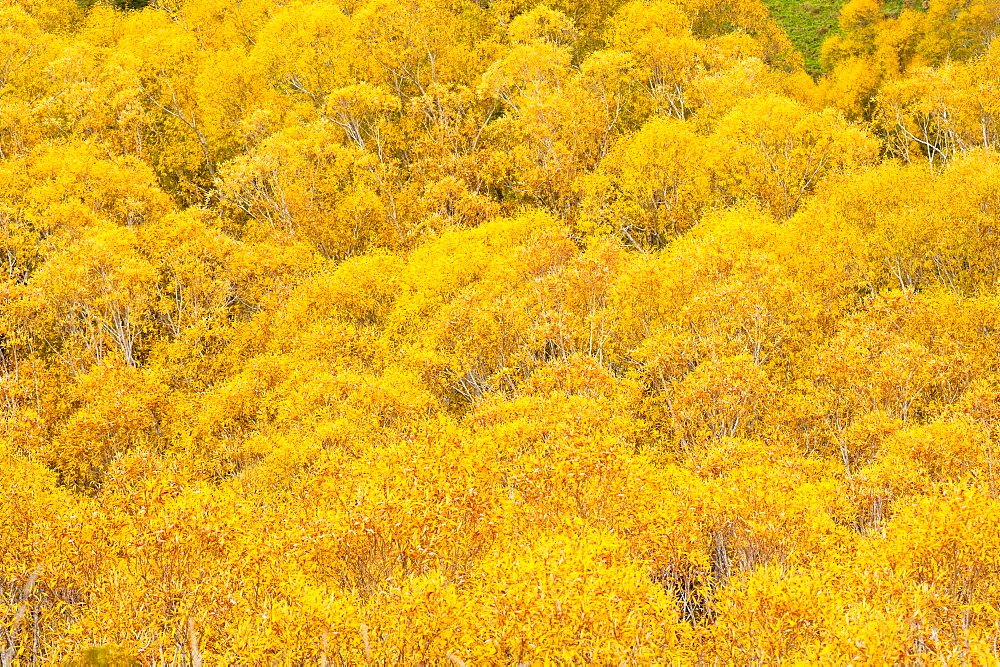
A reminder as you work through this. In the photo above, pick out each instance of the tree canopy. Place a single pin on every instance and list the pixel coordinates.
(498, 333)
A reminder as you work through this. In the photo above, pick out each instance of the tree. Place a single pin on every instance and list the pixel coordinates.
(778, 151)
(90, 300)
(300, 183)
(651, 187)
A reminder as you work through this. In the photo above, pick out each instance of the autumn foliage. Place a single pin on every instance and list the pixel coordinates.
(467, 332)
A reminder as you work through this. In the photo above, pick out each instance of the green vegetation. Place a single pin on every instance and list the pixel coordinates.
(807, 24)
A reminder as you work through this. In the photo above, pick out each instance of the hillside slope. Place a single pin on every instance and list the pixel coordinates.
(458, 332)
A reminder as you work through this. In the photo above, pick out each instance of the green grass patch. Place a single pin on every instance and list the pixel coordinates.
(808, 23)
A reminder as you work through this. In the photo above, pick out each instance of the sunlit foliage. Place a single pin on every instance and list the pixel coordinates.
(452, 331)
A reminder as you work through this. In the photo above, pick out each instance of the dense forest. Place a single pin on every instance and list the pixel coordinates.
(485, 332)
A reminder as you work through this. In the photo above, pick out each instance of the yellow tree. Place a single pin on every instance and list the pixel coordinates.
(301, 183)
(412, 45)
(710, 19)
(877, 45)
(91, 300)
(957, 30)
(54, 193)
(306, 51)
(651, 187)
(564, 119)
(21, 39)
(778, 151)
(938, 112)
(169, 60)
(659, 37)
